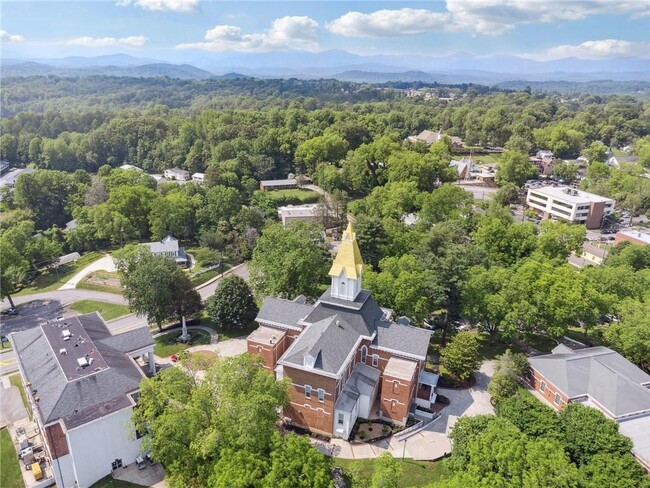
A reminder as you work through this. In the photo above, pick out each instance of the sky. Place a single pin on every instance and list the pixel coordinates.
(184, 29)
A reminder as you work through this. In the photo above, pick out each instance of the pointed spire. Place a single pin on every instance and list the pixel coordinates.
(348, 257)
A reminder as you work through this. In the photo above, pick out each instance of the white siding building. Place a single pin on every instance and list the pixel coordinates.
(82, 383)
(570, 204)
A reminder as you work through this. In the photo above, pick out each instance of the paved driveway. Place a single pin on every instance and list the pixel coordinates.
(104, 264)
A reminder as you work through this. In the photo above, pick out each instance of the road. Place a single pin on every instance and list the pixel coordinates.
(38, 308)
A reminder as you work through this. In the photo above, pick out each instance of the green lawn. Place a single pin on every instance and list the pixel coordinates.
(167, 344)
(109, 311)
(296, 196)
(110, 482)
(6, 347)
(227, 333)
(50, 280)
(10, 471)
(100, 281)
(414, 474)
(15, 380)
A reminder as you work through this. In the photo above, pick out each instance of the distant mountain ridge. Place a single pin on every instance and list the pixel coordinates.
(183, 71)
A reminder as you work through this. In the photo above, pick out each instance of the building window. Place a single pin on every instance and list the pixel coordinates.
(557, 398)
(307, 391)
(321, 395)
(542, 387)
(393, 405)
(395, 386)
(375, 360)
(364, 354)
(341, 419)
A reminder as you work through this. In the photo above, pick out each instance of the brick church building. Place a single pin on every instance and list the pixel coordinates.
(345, 356)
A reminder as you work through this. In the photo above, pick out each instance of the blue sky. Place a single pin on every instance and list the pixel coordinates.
(185, 29)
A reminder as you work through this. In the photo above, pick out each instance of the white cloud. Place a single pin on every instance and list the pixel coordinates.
(6, 37)
(389, 23)
(603, 48)
(182, 6)
(488, 17)
(87, 41)
(285, 34)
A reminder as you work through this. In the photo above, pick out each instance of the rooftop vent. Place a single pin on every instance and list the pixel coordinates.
(83, 362)
(63, 351)
(66, 335)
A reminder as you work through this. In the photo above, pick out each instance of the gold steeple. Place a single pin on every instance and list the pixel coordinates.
(348, 257)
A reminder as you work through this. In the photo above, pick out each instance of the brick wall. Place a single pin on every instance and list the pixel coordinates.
(396, 397)
(595, 217)
(310, 412)
(56, 441)
(535, 380)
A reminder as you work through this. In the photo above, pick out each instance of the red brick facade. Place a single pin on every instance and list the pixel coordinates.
(548, 390)
(396, 397)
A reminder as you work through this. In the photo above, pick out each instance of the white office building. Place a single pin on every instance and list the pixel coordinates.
(570, 204)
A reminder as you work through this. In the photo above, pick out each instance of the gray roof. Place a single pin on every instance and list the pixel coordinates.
(67, 391)
(287, 182)
(285, 312)
(336, 326)
(362, 381)
(168, 244)
(606, 376)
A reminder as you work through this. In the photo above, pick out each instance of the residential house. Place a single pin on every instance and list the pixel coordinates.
(82, 382)
(177, 174)
(344, 355)
(198, 177)
(633, 236)
(615, 161)
(169, 247)
(130, 166)
(544, 154)
(591, 255)
(544, 166)
(293, 213)
(429, 137)
(569, 204)
(600, 378)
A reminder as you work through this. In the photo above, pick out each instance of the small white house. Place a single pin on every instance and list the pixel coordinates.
(293, 213)
(177, 174)
(169, 247)
(198, 177)
(544, 154)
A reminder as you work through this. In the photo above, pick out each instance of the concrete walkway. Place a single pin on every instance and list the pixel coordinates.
(432, 442)
(230, 347)
(105, 263)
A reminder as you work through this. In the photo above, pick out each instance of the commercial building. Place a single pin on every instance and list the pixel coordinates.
(82, 383)
(345, 356)
(570, 204)
(294, 213)
(600, 378)
(633, 236)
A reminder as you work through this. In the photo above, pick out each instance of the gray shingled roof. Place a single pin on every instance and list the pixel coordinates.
(603, 374)
(404, 338)
(285, 312)
(88, 397)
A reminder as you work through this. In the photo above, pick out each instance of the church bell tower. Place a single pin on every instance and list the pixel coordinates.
(347, 269)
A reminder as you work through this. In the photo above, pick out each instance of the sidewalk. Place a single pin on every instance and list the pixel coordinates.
(105, 263)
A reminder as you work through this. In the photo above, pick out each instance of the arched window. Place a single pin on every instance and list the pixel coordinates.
(364, 354)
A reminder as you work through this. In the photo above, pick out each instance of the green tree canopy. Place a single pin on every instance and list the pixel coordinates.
(460, 355)
(232, 304)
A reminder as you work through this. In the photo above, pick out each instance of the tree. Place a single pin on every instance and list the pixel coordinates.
(13, 271)
(505, 242)
(330, 147)
(96, 192)
(485, 298)
(371, 237)
(548, 465)
(289, 261)
(445, 203)
(155, 286)
(530, 415)
(604, 468)
(196, 428)
(597, 152)
(232, 304)
(557, 239)
(464, 430)
(588, 432)
(296, 463)
(508, 370)
(631, 335)
(460, 355)
(631, 255)
(515, 168)
(387, 471)
(134, 203)
(565, 171)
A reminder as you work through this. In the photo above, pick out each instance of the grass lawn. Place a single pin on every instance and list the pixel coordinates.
(167, 344)
(226, 333)
(294, 196)
(101, 281)
(110, 482)
(491, 351)
(6, 347)
(10, 471)
(414, 474)
(15, 380)
(50, 280)
(109, 311)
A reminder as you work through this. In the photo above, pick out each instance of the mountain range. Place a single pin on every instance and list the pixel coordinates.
(456, 68)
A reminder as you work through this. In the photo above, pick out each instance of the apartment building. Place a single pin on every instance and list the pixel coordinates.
(570, 204)
(345, 356)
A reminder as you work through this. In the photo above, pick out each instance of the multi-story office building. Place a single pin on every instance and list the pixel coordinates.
(570, 204)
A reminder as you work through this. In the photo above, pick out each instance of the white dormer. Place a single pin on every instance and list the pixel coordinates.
(308, 360)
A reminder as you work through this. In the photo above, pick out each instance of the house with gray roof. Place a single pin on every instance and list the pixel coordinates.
(169, 247)
(82, 382)
(600, 378)
(345, 356)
